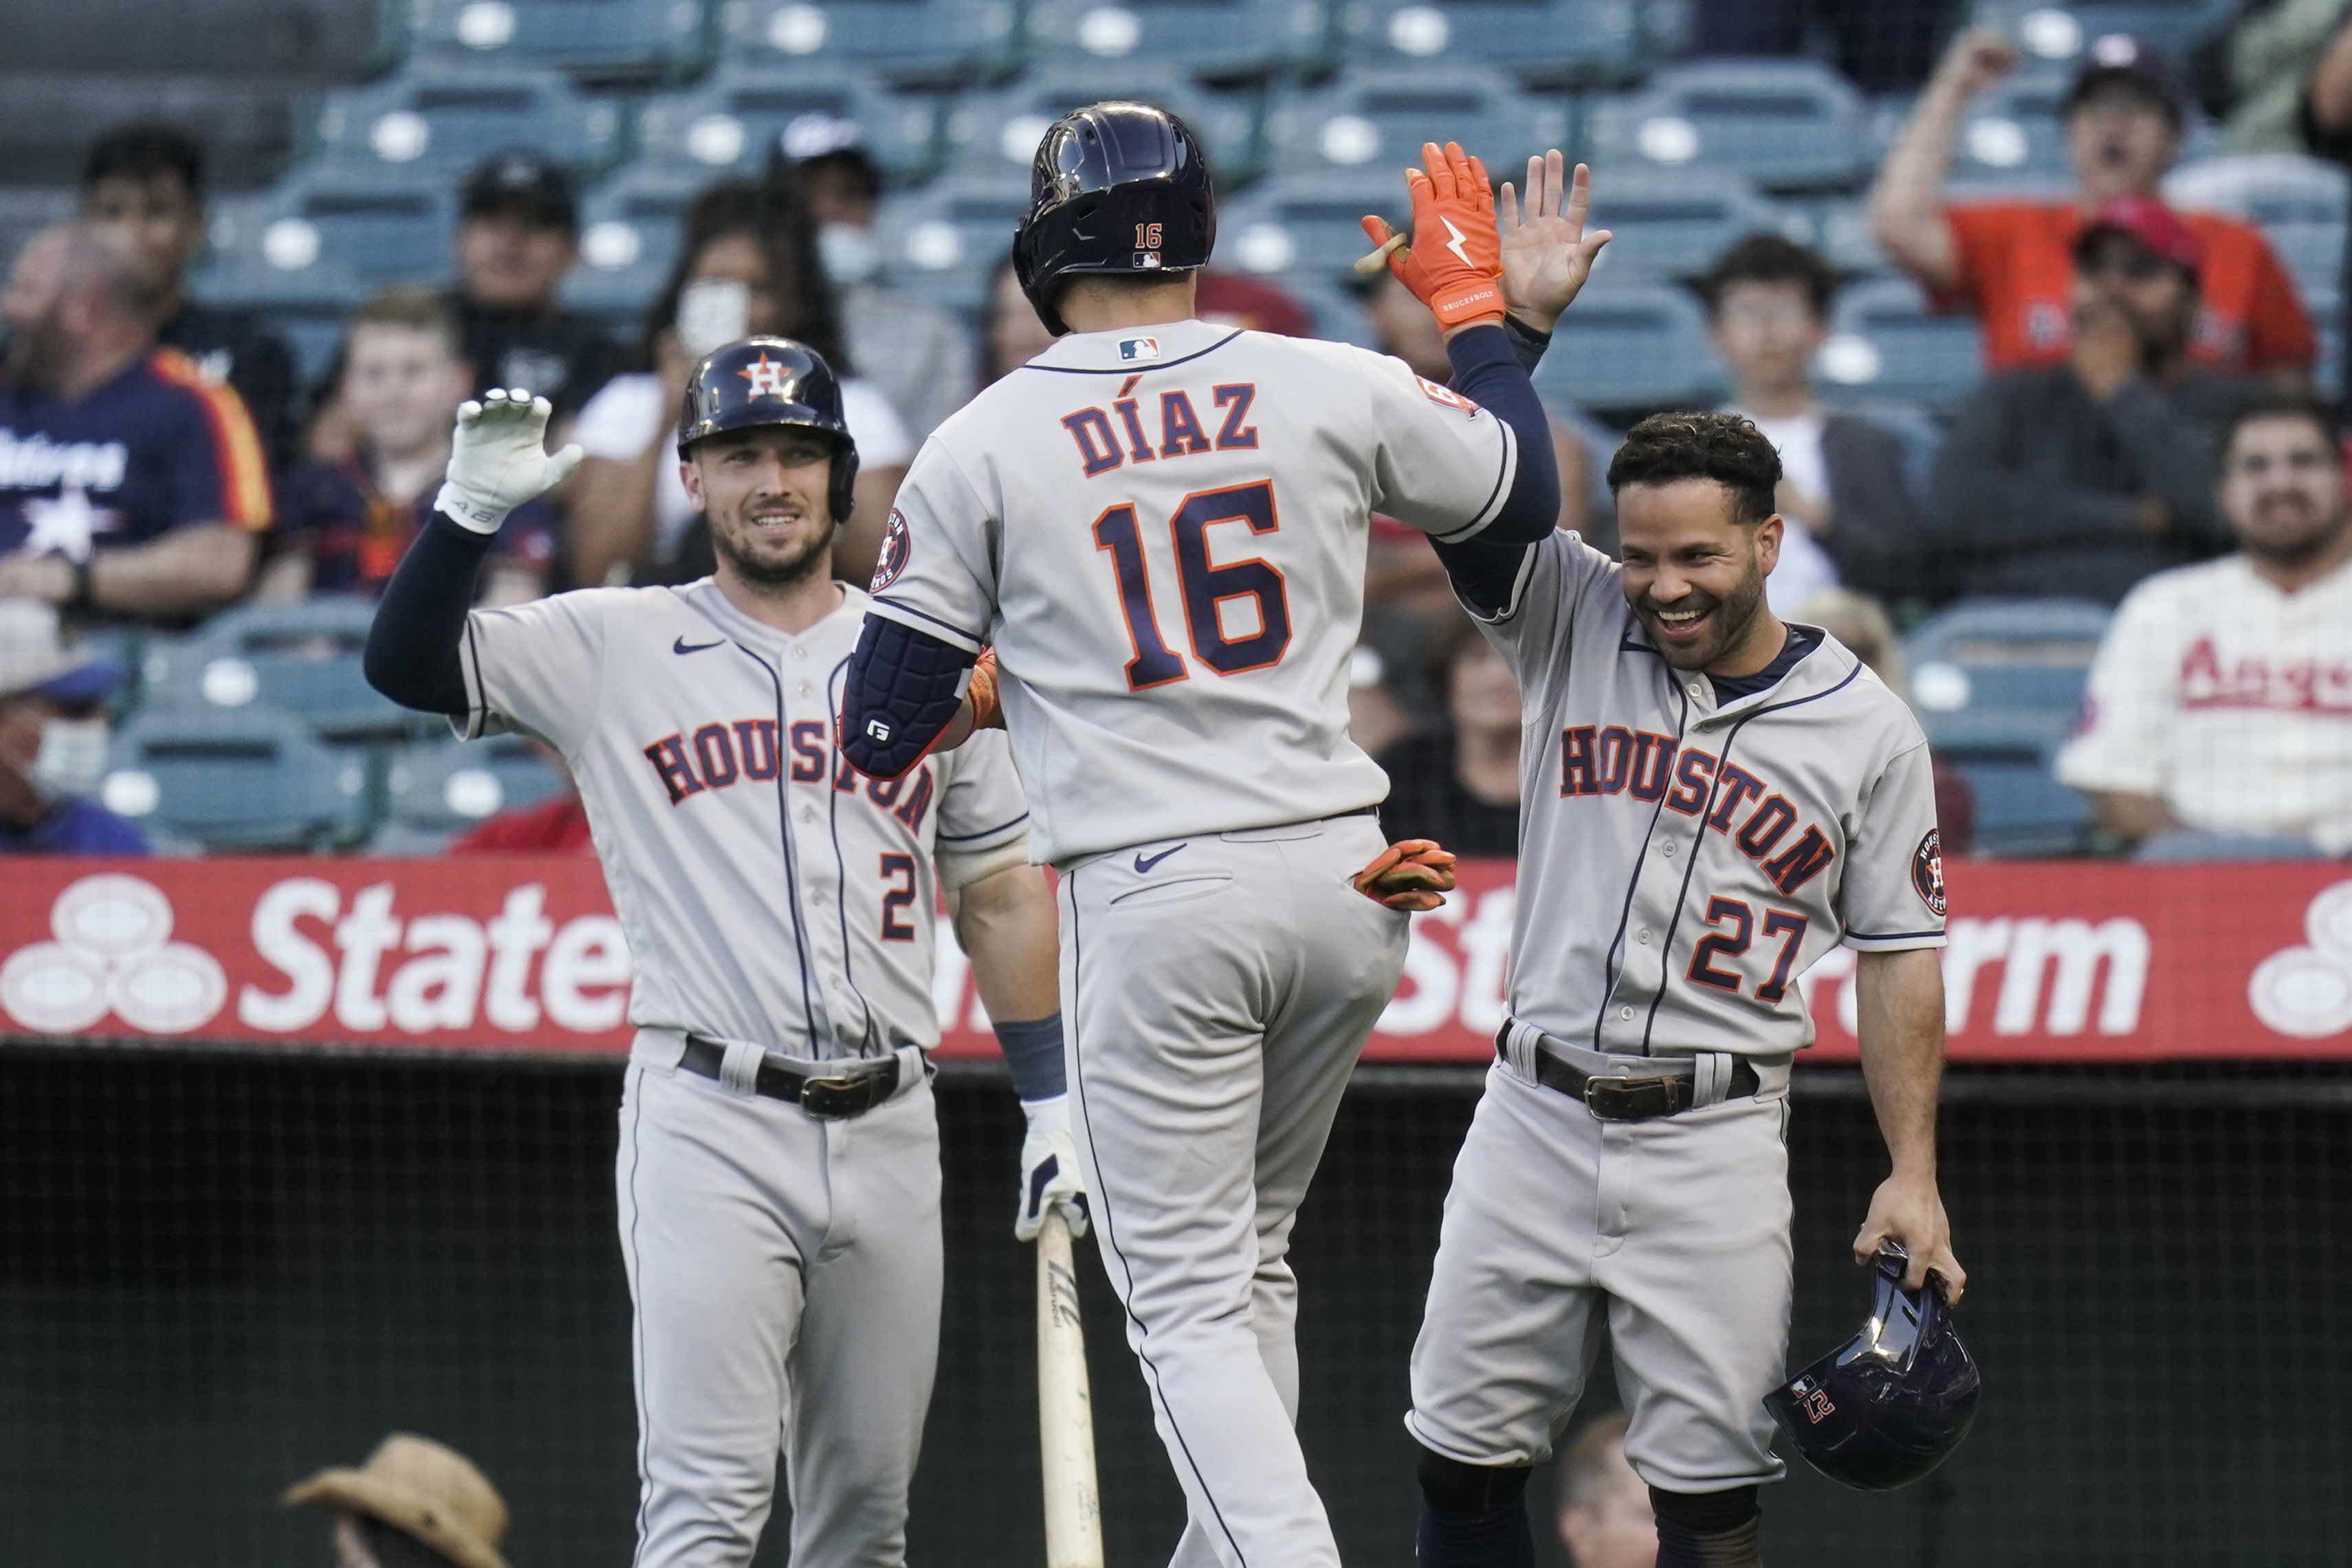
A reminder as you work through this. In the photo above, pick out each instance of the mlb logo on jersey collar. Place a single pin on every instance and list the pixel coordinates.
(1133, 349)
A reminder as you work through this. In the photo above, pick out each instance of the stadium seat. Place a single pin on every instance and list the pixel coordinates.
(2029, 655)
(996, 134)
(628, 240)
(1884, 343)
(375, 226)
(1921, 432)
(595, 40)
(1337, 311)
(2012, 139)
(933, 39)
(436, 790)
(1785, 124)
(1378, 119)
(2060, 33)
(1308, 224)
(299, 661)
(247, 779)
(1670, 223)
(945, 242)
(1628, 347)
(2299, 203)
(1997, 684)
(1548, 42)
(727, 124)
(447, 119)
(1215, 38)
(309, 307)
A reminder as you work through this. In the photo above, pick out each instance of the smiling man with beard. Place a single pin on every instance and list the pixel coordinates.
(2218, 720)
(779, 1168)
(1711, 800)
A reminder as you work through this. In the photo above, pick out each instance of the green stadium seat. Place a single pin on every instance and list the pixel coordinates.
(1631, 347)
(1784, 124)
(1212, 38)
(247, 779)
(995, 135)
(943, 41)
(448, 118)
(1376, 120)
(435, 790)
(301, 661)
(591, 39)
(1548, 42)
(1886, 345)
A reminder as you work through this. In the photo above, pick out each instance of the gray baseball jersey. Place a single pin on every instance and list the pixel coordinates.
(770, 892)
(785, 1270)
(1685, 853)
(1684, 859)
(1162, 533)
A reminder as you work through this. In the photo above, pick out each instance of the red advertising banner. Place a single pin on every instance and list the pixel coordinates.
(2047, 962)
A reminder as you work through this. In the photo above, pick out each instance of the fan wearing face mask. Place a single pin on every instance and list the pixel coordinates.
(53, 742)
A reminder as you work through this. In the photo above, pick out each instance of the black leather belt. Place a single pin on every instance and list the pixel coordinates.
(834, 1098)
(1615, 1097)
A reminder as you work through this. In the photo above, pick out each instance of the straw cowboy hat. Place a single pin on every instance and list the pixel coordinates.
(419, 1486)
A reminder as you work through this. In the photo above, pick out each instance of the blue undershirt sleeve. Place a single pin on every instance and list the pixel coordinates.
(1034, 1052)
(1486, 370)
(412, 647)
(903, 688)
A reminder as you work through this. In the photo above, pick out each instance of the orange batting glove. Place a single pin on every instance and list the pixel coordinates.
(1454, 264)
(986, 712)
(1412, 874)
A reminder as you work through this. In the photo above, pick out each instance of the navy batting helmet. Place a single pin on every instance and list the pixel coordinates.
(1892, 1404)
(1117, 188)
(771, 381)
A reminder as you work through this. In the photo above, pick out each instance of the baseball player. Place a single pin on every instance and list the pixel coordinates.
(1717, 799)
(779, 1167)
(1159, 526)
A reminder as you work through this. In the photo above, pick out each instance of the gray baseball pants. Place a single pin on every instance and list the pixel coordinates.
(785, 1271)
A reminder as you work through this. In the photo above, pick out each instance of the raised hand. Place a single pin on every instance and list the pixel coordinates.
(1547, 254)
(1451, 263)
(498, 459)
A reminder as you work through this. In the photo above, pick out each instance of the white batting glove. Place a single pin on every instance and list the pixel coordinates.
(498, 459)
(1049, 1170)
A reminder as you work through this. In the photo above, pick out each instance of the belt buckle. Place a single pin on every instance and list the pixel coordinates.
(834, 1099)
(1623, 1098)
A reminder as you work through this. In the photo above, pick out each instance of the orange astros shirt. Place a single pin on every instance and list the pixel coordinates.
(2017, 272)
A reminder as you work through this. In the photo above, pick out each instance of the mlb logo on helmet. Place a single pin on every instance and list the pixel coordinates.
(1133, 349)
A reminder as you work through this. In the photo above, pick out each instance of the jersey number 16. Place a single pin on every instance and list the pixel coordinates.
(1205, 587)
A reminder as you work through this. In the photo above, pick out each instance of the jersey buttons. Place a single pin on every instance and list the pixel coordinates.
(1667, 849)
(1626, 1014)
(1642, 935)
(1696, 688)
(799, 653)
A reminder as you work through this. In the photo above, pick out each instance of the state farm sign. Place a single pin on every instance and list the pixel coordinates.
(2046, 962)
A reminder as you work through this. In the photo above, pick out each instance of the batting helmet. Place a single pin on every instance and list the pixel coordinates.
(771, 381)
(1117, 188)
(1891, 1405)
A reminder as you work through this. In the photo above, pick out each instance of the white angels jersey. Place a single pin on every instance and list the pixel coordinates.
(1163, 532)
(1682, 863)
(770, 892)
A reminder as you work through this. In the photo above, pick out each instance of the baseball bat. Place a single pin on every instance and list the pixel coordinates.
(1066, 1414)
(1378, 260)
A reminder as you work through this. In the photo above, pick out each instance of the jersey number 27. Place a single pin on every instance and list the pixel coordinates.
(1205, 587)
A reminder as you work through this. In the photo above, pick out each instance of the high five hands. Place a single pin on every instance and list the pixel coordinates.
(1544, 259)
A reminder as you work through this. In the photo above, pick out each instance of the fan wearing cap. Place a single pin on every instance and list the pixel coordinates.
(53, 741)
(415, 1503)
(917, 353)
(518, 236)
(2082, 477)
(2011, 261)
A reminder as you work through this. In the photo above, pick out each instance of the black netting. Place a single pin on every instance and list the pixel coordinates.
(220, 1272)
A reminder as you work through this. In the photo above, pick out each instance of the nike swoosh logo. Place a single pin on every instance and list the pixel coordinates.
(683, 646)
(1143, 864)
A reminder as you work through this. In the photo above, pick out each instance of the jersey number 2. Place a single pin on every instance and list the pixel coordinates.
(1205, 587)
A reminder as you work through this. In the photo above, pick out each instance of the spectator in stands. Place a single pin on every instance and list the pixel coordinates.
(53, 741)
(2010, 261)
(2217, 724)
(1604, 1510)
(917, 353)
(2080, 478)
(1010, 333)
(748, 266)
(2269, 53)
(343, 526)
(1861, 623)
(143, 186)
(1459, 783)
(130, 486)
(518, 236)
(2327, 126)
(1845, 490)
(414, 1503)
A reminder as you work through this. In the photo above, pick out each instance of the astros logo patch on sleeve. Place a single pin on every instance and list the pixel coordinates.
(1927, 872)
(895, 545)
(1446, 395)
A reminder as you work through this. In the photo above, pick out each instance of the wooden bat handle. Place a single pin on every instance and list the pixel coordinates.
(1066, 1417)
(1378, 260)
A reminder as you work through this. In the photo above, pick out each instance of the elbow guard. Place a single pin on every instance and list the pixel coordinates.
(903, 689)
